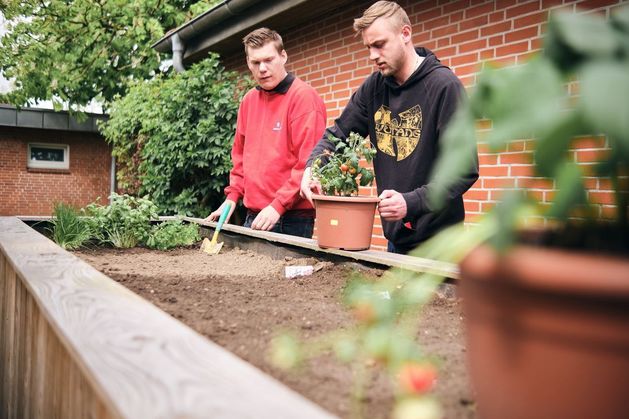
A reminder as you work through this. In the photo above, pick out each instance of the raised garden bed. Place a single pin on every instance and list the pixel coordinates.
(74, 343)
(239, 299)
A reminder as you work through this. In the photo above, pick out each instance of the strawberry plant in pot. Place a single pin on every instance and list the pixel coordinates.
(344, 219)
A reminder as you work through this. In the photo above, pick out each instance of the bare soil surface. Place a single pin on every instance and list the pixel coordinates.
(240, 300)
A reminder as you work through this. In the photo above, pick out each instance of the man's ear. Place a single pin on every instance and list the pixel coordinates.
(407, 34)
(284, 56)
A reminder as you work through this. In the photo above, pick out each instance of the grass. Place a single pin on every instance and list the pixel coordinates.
(69, 230)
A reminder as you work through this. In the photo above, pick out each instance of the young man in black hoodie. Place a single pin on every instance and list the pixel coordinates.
(404, 108)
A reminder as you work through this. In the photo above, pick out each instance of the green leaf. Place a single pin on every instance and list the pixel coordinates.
(620, 20)
(571, 38)
(286, 351)
(377, 341)
(345, 349)
(507, 215)
(366, 177)
(521, 101)
(605, 99)
(570, 191)
(552, 147)
(451, 166)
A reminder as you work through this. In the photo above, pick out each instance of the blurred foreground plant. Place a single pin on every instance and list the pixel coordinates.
(531, 101)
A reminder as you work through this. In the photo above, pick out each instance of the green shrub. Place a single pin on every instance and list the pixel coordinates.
(172, 137)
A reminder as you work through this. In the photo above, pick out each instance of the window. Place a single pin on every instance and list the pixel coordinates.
(48, 156)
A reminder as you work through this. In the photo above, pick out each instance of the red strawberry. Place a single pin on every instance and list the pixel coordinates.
(416, 378)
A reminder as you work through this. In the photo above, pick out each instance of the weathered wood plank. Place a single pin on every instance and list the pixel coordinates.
(39, 365)
(3, 332)
(20, 347)
(236, 234)
(30, 329)
(8, 341)
(140, 362)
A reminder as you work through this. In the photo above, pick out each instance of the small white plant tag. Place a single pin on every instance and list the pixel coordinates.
(294, 271)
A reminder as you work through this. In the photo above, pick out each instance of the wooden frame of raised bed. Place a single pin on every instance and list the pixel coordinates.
(74, 343)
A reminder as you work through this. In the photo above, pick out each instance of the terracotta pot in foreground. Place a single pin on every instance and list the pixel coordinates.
(548, 333)
(344, 222)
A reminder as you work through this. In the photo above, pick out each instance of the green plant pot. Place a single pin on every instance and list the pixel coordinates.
(344, 222)
(548, 333)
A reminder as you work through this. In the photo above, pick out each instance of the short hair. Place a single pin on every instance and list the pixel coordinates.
(262, 36)
(385, 9)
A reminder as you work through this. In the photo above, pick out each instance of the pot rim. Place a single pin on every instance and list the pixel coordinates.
(555, 270)
(364, 199)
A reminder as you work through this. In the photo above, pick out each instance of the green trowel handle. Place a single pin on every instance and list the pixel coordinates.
(223, 216)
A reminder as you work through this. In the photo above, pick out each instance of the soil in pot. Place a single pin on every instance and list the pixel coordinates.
(240, 299)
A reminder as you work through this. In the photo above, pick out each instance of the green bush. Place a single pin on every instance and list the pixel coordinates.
(172, 137)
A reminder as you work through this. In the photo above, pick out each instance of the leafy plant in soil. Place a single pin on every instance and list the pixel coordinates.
(172, 233)
(69, 230)
(125, 223)
(340, 172)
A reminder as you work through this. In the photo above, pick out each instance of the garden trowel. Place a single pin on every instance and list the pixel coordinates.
(213, 247)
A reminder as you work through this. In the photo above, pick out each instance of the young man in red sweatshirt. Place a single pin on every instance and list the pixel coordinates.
(279, 123)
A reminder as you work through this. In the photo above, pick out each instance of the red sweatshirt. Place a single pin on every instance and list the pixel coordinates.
(275, 133)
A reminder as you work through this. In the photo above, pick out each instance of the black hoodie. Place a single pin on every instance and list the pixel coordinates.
(405, 123)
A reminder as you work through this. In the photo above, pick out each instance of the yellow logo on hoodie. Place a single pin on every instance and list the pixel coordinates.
(405, 132)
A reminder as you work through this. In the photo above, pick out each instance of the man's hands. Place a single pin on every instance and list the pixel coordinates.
(392, 206)
(266, 219)
(214, 216)
(309, 185)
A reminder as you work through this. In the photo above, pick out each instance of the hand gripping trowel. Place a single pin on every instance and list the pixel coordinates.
(213, 247)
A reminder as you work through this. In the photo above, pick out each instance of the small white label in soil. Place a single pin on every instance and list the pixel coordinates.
(294, 271)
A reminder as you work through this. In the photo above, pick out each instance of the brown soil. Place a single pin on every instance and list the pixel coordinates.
(240, 299)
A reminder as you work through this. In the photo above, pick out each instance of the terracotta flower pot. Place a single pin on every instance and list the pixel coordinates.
(548, 333)
(344, 222)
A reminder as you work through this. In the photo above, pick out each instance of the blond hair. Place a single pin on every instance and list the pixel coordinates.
(382, 9)
(262, 36)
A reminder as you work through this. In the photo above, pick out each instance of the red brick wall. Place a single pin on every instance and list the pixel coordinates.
(26, 191)
(463, 34)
